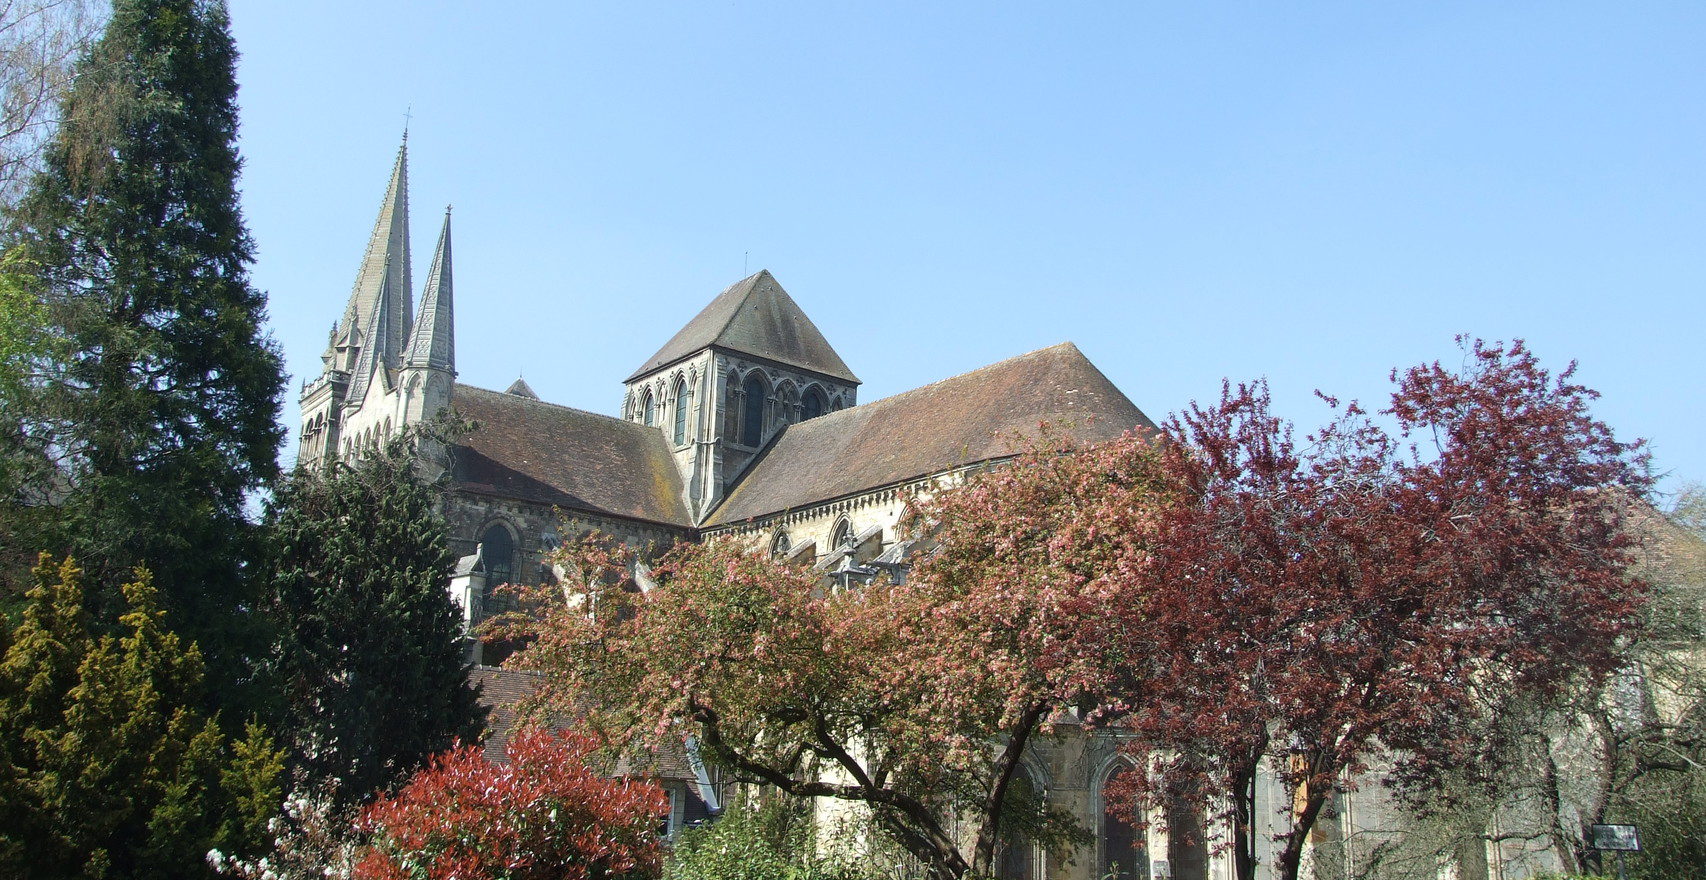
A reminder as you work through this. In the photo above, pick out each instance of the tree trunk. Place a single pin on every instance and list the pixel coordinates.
(1290, 857)
(1244, 822)
(1471, 857)
(995, 805)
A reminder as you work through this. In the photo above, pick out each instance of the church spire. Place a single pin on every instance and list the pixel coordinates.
(384, 272)
(371, 362)
(433, 343)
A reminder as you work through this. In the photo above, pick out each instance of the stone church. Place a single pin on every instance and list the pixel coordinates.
(745, 424)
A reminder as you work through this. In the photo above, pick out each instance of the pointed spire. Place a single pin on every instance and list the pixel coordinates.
(432, 344)
(385, 269)
(371, 361)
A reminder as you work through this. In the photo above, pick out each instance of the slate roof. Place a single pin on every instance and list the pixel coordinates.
(754, 316)
(959, 421)
(548, 454)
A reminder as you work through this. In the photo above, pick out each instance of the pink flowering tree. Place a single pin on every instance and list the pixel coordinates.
(916, 700)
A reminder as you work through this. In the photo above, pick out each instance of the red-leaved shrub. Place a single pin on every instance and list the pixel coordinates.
(543, 814)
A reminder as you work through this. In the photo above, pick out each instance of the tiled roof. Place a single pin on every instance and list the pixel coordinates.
(540, 452)
(754, 316)
(501, 689)
(963, 420)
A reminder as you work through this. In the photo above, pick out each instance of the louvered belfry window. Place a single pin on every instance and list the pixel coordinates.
(752, 418)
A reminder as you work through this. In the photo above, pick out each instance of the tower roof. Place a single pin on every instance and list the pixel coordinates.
(384, 269)
(433, 342)
(754, 316)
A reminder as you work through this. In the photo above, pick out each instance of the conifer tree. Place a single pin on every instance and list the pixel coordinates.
(110, 767)
(160, 409)
(374, 665)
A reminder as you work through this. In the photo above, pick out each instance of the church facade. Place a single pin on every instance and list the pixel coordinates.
(745, 425)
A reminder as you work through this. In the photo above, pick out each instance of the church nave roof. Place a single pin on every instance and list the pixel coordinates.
(969, 418)
(556, 455)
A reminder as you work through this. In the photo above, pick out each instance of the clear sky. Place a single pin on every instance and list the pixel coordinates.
(1311, 192)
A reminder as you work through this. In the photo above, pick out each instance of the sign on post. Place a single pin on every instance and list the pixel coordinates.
(1614, 838)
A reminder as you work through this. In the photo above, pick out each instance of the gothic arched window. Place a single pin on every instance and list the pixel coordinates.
(752, 417)
(780, 546)
(1123, 854)
(1018, 853)
(497, 555)
(683, 401)
(649, 408)
(842, 536)
(811, 405)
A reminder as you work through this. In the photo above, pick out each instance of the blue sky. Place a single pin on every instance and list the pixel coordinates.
(1311, 192)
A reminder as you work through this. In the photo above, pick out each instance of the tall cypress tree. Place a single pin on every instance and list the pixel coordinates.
(372, 659)
(162, 411)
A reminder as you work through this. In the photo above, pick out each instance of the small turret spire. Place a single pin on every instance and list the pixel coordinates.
(432, 344)
(371, 362)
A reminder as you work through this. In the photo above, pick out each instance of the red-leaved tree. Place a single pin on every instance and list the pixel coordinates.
(545, 814)
(1370, 592)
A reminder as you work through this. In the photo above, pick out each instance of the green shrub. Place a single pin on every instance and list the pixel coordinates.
(768, 838)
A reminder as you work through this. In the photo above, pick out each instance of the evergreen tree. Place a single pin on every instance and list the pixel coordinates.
(110, 767)
(159, 410)
(374, 666)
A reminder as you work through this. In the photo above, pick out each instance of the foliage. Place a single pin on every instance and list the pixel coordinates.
(1671, 812)
(159, 417)
(1237, 602)
(373, 662)
(915, 700)
(312, 839)
(24, 321)
(1629, 750)
(1688, 510)
(1312, 607)
(39, 40)
(544, 813)
(761, 838)
(111, 769)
